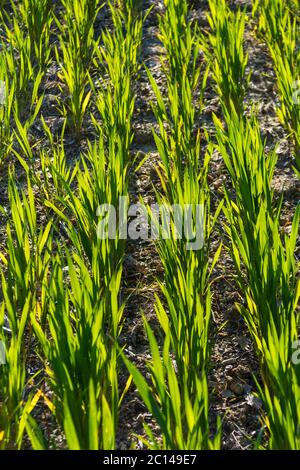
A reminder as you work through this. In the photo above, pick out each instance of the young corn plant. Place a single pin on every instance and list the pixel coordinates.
(266, 271)
(282, 392)
(184, 248)
(251, 173)
(178, 395)
(6, 111)
(125, 40)
(281, 353)
(28, 252)
(23, 75)
(181, 42)
(243, 152)
(35, 17)
(54, 166)
(92, 313)
(81, 355)
(272, 294)
(273, 17)
(282, 40)
(24, 150)
(223, 47)
(184, 251)
(119, 59)
(279, 26)
(85, 319)
(178, 141)
(12, 371)
(24, 277)
(74, 54)
(101, 179)
(181, 415)
(90, 308)
(287, 68)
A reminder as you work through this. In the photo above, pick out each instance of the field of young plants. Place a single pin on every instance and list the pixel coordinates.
(126, 339)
